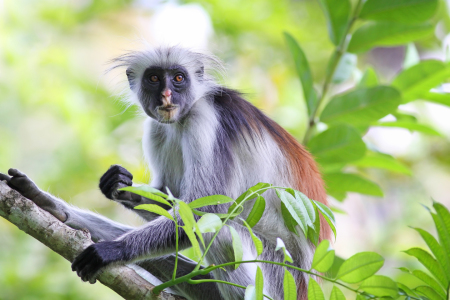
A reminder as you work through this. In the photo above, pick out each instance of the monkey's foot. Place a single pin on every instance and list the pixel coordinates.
(27, 188)
(115, 178)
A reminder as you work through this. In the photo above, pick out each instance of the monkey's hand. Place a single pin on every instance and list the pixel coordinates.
(115, 178)
(27, 188)
(90, 262)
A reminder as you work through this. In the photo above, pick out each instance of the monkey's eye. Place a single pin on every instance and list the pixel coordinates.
(154, 78)
(179, 78)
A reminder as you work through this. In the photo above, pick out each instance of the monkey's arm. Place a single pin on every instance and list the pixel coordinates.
(118, 177)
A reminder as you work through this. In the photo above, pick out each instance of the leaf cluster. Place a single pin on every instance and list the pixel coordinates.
(348, 116)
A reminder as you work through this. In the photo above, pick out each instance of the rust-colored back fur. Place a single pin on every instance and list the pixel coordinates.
(306, 178)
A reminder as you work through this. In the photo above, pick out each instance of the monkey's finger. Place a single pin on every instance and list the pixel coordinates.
(16, 173)
(4, 177)
(113, 170)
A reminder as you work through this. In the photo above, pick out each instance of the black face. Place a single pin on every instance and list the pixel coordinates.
(165, 93)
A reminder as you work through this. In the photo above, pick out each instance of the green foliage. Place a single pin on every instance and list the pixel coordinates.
(290, 288)
(338, 14)
(323, 257)
(350, 114)
(359, 269)
(360, 266)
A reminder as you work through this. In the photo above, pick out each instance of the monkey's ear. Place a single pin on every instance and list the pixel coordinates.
(131, 76)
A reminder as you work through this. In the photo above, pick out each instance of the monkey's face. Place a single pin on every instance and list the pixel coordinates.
(165, 93)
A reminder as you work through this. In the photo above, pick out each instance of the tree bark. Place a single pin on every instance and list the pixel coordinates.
(69, 242)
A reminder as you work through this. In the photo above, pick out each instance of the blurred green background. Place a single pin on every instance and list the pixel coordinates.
(63, 124)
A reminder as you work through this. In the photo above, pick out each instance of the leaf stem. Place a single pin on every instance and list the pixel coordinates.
(250, 196)
(334, 62)
(191, 281)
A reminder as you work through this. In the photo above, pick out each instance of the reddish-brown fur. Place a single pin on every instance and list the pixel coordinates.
(306, 178)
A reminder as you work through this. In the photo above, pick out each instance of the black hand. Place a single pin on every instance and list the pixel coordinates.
(96, 256)
(115, 178)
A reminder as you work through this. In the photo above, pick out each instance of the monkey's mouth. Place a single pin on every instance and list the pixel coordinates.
(168, 113)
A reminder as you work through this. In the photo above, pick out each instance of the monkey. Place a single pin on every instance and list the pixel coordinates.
(200, 138)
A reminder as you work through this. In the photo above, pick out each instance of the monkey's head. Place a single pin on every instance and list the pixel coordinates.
(166, 82)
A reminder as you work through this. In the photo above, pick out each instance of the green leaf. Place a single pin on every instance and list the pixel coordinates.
(406, 289)
(336, 294)
(369, 79)
(297, 206)
(380, 286)
(345, 182)
(381, 161)
(345, 68)
(313, 232)
(439, 252)
(412, 57)
(304, 73)
(337, 13)
(289, 286)
(287, 255)
(419, 79)
(338, 261)
(429, 281)
(402, 116)
(403, 11)
(256, 241)
(428, 292)
(210, 200)
(360, 266)
(430, 263)
(222, 216)
(258, 189)
(341, 143)
(438, 98)
(327, 214)
(195, 245)
(314, 290)
(155, 209)
(237, 246)
(288, 219)
(294, 208)
(259, 284)
(189, 224)
(257, 211)
(376, 34)
(209, 223)
(148, 192)
(323, 257)
(442, 222)
(361, 106)
(250, 292)
(307, 203)
(410, 126)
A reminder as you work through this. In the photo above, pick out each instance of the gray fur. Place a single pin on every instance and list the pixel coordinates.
(199, 155)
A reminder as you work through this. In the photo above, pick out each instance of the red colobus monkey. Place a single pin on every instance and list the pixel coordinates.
(200, 139)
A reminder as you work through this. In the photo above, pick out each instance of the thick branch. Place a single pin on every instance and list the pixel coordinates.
(69, 242)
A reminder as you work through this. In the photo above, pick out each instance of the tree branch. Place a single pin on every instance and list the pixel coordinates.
(69, 242)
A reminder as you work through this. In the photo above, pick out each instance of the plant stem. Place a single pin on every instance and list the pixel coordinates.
(219, 281)
(334, 62)
(197, 267)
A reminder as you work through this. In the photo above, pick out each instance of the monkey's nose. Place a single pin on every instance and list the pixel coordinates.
(167, 93)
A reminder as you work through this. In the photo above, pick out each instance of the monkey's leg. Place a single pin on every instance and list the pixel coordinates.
(100, 227)
(118, 177)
